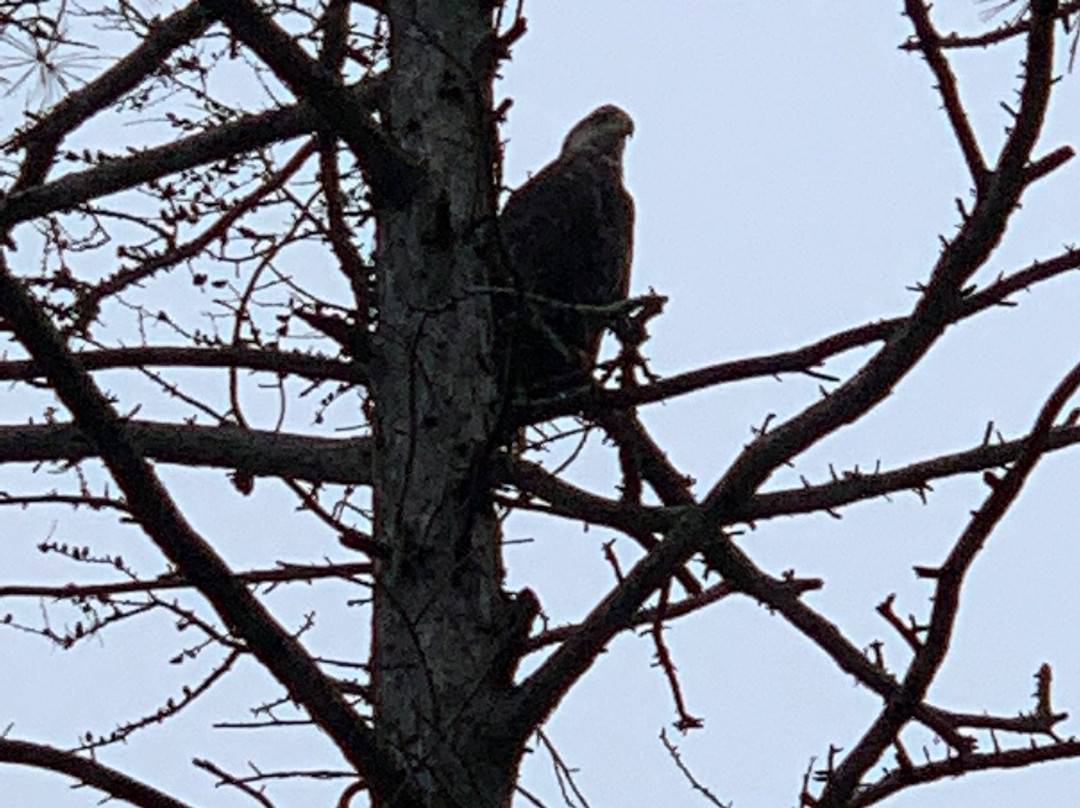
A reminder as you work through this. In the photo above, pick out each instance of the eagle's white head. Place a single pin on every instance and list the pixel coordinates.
(603, 130)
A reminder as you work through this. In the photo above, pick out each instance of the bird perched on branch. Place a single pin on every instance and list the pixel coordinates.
(567, 236)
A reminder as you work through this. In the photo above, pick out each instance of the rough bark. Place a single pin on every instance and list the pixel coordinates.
(442, 621)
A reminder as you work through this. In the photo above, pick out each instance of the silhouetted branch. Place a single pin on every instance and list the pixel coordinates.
(961, 257)
(220, 143)
(89, 304)
(950, 578)
(159, 517)
(953, 766)
(283, 573)
(858, 486)
(927, 41)
(96, 775)
(256, 452)
(672, 611)
(389, 171)
(262, 453)
(807, 359)
(1008, 30)
(296, 363)
(42, 138)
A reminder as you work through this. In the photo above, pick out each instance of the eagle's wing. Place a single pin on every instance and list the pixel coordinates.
(567, 235)
(568, 232)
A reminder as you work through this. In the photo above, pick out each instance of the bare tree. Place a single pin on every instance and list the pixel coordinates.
(362, 212)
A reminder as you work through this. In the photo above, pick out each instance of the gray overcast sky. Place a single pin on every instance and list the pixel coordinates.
(792, 171)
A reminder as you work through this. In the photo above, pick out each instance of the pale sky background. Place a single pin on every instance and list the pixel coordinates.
(792, 171)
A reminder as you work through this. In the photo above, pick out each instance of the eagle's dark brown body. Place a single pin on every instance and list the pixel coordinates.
(567, 235)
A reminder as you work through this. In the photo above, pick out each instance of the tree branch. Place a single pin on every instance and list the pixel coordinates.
(305, 365)
(805, 360)
(1003, 32)
(927, 39)
(226, 141)
(700, 528)
(194, 558)
(255, 452)
(855, 487)
(97, 775)
(263, 453)
(1002, 193)
(391, 173)
(961, 258)
(952, 767)
(946, 600)
(283, 573)
(42, 139)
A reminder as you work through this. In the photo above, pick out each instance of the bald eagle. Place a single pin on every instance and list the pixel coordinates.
(567, 237)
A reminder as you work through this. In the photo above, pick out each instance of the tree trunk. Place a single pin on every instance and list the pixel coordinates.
(441, 617)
